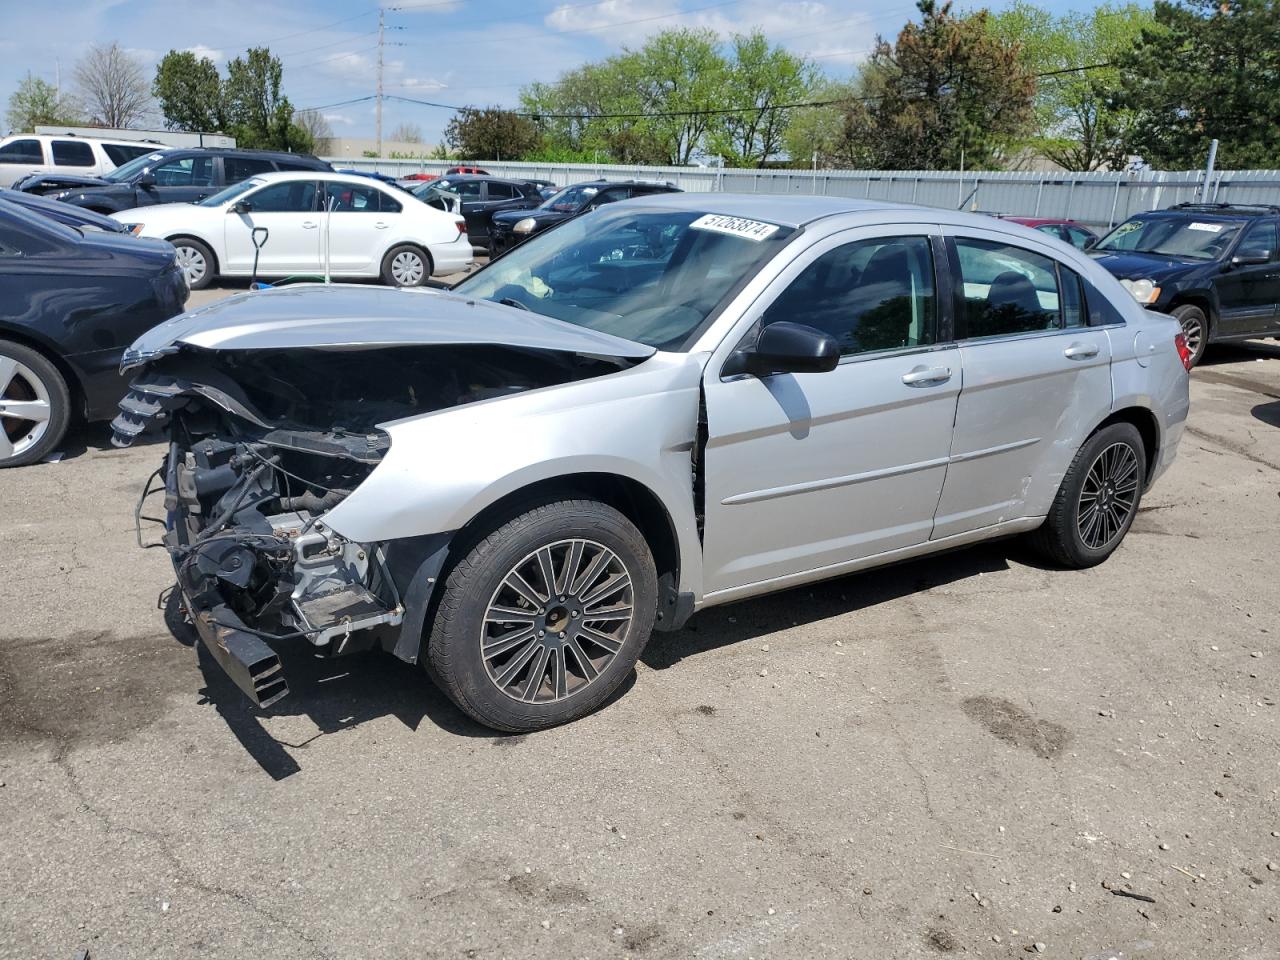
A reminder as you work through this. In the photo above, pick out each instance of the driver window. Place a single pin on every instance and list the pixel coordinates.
(187, 172)
(1259, 241)
(870, 295)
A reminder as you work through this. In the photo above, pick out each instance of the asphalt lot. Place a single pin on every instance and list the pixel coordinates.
(957, 755)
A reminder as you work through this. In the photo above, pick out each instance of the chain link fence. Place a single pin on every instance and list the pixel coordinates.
(1100, 200)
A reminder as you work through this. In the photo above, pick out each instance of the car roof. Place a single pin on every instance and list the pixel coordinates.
(352, 178)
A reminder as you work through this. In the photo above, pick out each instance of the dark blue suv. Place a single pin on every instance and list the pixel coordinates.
(1213, 266)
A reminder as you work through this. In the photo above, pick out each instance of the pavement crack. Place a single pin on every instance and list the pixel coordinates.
(1231, 447)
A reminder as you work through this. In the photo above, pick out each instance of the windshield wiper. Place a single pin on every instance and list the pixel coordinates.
(513, 302)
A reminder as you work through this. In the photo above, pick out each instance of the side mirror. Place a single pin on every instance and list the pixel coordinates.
(1251, 259)
(241, 207)
(147, 179)
(785, 347)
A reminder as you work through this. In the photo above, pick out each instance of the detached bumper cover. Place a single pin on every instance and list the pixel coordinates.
(252, 665)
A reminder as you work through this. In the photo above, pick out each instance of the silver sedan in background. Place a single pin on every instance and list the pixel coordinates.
(668, 404)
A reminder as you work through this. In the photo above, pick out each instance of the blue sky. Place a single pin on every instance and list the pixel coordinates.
(451, 51)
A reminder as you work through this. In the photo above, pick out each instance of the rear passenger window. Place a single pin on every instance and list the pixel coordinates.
(387, 204)
(1006, 290)
(869, 295)
(501, 191)
(72, 153)
(236, 169)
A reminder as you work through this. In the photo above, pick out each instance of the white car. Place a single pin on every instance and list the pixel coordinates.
(308, 224)
(29, 154)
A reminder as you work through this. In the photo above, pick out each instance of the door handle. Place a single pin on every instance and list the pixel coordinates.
(308, 224)
(1081, 351)
(380, 225)
(926, 376)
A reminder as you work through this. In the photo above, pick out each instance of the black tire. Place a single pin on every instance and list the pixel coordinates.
(406, 250)
(454, 658)
(189, 250)
(1060, 539)
(48, 386)
(1195, 324)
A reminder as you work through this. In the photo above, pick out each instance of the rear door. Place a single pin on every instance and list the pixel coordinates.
(1248, 292)
(812, 470)
(287, 210)
(1037, 379)
(358, 227)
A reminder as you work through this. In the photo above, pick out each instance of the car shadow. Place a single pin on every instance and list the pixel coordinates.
(1242, 352)
(1268, 413)
(335, 694)
(801, 606)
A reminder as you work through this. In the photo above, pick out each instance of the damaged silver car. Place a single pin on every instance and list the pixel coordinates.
(668, 404)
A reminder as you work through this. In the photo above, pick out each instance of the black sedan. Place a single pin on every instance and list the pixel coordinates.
(480, 197)
(71, 300)
(507, 229)
(64, 213)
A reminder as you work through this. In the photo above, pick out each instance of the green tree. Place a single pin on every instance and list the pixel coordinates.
(833, 132)
(1209, 68)
(760, 79)
(189, 91)
(492, 133)
(1078, 124)
(36, 101)
(946, 92)
(260, 115)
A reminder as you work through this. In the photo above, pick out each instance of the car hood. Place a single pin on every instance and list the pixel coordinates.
(510, 217)
(48, 181)
(156, 210)
(1144, 266)
(342, 316)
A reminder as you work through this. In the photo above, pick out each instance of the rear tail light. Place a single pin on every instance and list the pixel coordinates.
(1184, 352)
(462, 226)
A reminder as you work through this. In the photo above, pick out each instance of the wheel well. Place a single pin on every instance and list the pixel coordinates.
(421, 248)
(60, 363)
(1196, 299)
(1145, 422)
(204, 243)
(629, 497)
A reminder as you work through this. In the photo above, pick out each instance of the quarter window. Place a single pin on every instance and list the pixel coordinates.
(1006, 290)
(500, 191)
(72, 153)
(236, 169)
(292, 196)
(869, 295)
(21, 151)
(120, 154)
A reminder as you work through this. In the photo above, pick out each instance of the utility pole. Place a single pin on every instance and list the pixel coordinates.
(379, 97)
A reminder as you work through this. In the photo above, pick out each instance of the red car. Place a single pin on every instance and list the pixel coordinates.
(452, 170)
(1066, 230)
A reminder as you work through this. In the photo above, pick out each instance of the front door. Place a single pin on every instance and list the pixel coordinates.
(1037, 379)
(181, 180)
(807, 471)
(287, 211)
(1249, 285)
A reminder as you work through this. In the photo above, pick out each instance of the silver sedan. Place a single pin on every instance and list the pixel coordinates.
(667, 404)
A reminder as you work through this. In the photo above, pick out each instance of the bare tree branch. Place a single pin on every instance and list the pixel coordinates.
(113, 86)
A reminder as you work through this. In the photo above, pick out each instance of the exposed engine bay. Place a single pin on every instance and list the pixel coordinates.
(262, 444)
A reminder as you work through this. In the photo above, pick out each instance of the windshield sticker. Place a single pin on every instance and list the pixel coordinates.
(735, 226)
(1205, 227)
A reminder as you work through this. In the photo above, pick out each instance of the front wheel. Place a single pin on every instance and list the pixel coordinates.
(545, 616)
(35, 405)
(405, 266)
(196, 261)
(1097, 500)
(1195, 327)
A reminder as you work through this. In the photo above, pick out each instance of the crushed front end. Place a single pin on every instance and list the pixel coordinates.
(244, 506)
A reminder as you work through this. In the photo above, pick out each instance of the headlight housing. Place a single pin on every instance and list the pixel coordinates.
(525, 226)
(135, 228)
(1144, 291)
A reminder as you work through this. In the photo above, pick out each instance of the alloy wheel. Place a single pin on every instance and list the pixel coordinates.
(556, 621)
(407, 268)
(193, 264)
(24, 408)
(1193, 331)
(1108, 496)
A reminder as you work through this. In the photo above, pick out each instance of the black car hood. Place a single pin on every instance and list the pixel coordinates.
(40, 183)
(1145, 266)
(541, 217)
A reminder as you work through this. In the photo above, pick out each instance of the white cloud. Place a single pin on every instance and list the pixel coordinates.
(341, 119)
(200, 50)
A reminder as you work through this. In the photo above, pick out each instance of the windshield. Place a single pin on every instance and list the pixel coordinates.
(651, 276)
(230, 193)
(570, 198)
(1203, 239)
(131, 169)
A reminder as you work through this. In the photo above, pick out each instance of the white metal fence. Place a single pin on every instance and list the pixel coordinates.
(1099, 199)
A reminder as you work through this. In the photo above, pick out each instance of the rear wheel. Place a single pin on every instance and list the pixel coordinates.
(1195, 327)
(543, 618)
(406, 266)
(1097, 500)
(35, 405)
(196, 261)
